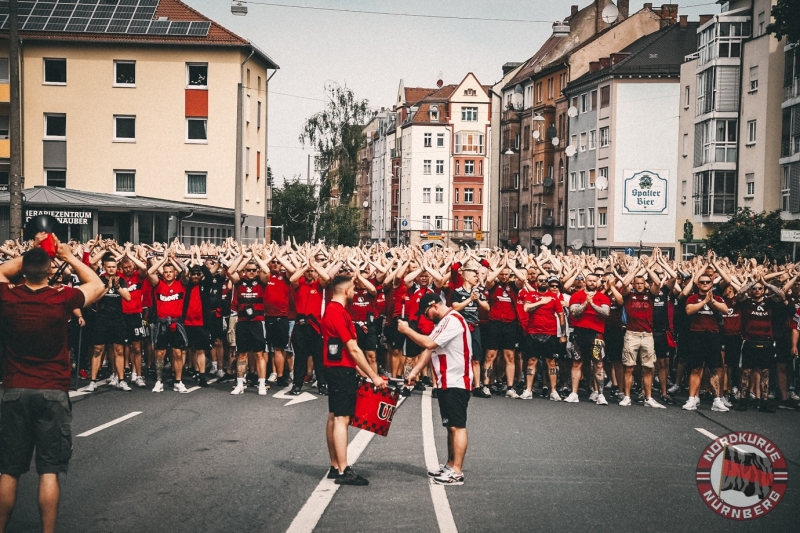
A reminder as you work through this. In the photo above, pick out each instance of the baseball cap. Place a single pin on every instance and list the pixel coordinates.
(426, 301)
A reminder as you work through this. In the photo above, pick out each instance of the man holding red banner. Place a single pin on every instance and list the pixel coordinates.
(450, 347)
(342, 356)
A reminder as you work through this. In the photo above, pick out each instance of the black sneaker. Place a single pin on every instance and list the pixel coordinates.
(333, 473)
(349, 477)
(481, 392)
(788, 403)
(419, 386)
(201, 381)
(499, 388)
(426, 380)
(296, 391)
(282, 382)
(667, 399)
(322, 390)
(741, 405)
(545, 392)
(435, 393)
(406, 392)
(767, 406)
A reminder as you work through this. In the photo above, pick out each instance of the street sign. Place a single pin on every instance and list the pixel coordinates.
(478, 235)
(435, 235)
(404, 223)
(629, 251)
(790, 235)
(423, 234)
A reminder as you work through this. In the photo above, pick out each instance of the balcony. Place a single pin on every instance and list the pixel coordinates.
(714, 195)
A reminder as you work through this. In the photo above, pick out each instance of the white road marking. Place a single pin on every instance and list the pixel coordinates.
(308, 517)
(82, 390)
(304, 397)
(192, 389)
(109, 424)
(444, 516)
(706, 433)
(212, 381)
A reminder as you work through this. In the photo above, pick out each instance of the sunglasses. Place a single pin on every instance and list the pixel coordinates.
(195, 273)
(541, 280)
(273, 262)
(251, 270)
(758, 288)
(553, 286)
(703, 282)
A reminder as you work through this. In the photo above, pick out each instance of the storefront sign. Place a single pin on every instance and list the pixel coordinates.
(63, 217)
(645, 191)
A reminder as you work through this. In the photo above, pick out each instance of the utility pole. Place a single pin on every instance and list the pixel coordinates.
(15, 177)
(237, 189)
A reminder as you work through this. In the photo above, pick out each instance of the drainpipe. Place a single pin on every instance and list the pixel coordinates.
(237, 205)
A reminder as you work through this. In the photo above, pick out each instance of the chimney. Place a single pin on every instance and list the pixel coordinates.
(605, 62)
(624, 8)
(573, 11)
(616, 58)
(669, 13)
(594, 66)
(684, 21)
(705, 18)
(648, 5)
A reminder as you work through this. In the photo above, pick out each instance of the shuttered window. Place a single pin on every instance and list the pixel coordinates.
(727, 98)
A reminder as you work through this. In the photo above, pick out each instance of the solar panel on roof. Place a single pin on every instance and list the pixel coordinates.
(77, 24)
(158, 27)
(97, 25)
(178, 28)
(35, 23)
(199, 28)
(127, 2)
(138, 26)
(56, 24)
(63, 10)
(123, 12)
(118, 26)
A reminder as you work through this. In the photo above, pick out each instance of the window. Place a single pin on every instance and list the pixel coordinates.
(247, 109)
(575, 102)
(197, 75)
(469, 143)
(592, 139)
(439, 220)
(715, 193)
(426, 222)
(516, 180)
(550, 87)
(760, 30)
(516, 216)
(581, 218)
(258, 118)
(124, 129)
(754, 78)
(458, 167)
(440, 166)
(584, 103)
(426, 195)
(590, 217)
(125, 73)
(573, 141)
(456, 196)
(751, 132)
(56, 177)
(4, 73)
(593, 100)
(195, 184)
(591, 178)
(125, 181)
(582, 182)
(685, 144)
(573, 181)
(426, 166)
(439, 195)
(4, 126)
(751, 184)
(686, 97)
(469, 167)
(469, 114)
(434, 114)
(539, 93)
(480, 196)
(571, 218)
(605, 96)
(583, 141)
(526, 144)
(440, 139)
(786, 188)
(196, 130)
(468, 222)
(526, 176)
(469, 196)
(427, 140)
(605, 137)
(55, 126)
(55, 71)
(604, 175)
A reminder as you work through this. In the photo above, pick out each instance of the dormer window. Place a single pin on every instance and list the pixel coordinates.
(434, 113)
(469, 92)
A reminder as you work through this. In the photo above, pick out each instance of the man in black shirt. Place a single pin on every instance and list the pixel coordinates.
(467, 299)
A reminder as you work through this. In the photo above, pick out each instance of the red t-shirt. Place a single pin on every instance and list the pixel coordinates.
(757, 319)
(34, 335)
(337, 330)
(362, 305)
(424, 325)
(308, 300)
(589, 319)
(194, 313)
(276, 298)
(544, 320)
(524, 296)
(169, 299)
(501, 302)
(399, 300)
(732, 322)
(137, 286)
(706, 319)
(639, 310)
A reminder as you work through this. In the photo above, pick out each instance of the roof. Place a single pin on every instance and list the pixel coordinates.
(415, 94)
(70, 198)
(174, 10)
(660, 53)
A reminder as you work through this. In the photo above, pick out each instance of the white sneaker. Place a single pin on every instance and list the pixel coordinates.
(113, 380)
(735, 391)
(140, 382)
(718, 405)
(675, 388)
(691, 404)
(159, 387)
(526, 395)
(572, 398)
(262, 390)
(726, 402)
(625, 401)
(220, 373)
(511, 393)
(91, 387)
(554, 396)
(609, 385)
(793, 396)
(238, 389)
(180, 387)
(123, 386)
(593, 396)
(601, 400)
(273, 377)
(650, 402)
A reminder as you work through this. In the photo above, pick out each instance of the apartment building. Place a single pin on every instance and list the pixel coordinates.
(129, 116)
(790, 134)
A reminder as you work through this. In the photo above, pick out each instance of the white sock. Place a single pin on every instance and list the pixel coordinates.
(240, 382)
(133, 376)
(213, 366)
(262, 382)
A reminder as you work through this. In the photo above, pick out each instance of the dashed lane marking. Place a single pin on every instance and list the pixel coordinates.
(706, 433)
(109, 424)
(444, 515)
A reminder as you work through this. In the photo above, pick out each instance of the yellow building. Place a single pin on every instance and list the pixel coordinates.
(134, 103)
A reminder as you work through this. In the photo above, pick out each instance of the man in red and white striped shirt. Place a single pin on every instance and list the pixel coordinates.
(449, 346)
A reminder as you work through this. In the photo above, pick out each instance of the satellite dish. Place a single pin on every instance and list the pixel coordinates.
(366, 203)
(577, 244)
(547, 239)
(570, 151)
(610, 14)
(535, 134)
(555, 141)
(551, 132)
(601, 183)
(572, 112)
(548, 221)
(548, 182)
(518, 88)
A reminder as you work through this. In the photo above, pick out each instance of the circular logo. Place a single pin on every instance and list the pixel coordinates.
(741, 476)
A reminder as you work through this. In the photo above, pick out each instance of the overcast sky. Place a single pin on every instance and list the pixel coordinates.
(371, 53)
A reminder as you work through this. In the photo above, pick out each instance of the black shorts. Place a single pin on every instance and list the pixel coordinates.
(250, 336)
(277, 332)
(394, 339)
(732, 346)
(136, 327)
(199, 338)
(662, 349)
(306, 342)
(478, 354)
(615, 340)
(453, 407)
(109, 331)
(367, 340)
(783, 350)
(584, 346)
(342, 387)
(501, 335)
(758, 354)
(35, 418)
(218, 328)
(540, 346)
(166, 337)
(702, 349)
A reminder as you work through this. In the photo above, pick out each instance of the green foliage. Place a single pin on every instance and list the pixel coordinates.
(340, 225)
(752, 235)
(293, 205)
(787, 20)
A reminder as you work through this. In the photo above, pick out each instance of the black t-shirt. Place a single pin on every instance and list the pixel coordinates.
(660, 310)
(470, 312)
(110, 305)
(680, 319)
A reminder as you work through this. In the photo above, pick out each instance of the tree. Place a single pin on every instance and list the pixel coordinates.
(340, 225)
(787, 20)
(752, 235)
(293, 207)
(335, 133)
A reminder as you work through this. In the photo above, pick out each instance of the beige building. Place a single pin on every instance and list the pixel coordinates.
(138, 104)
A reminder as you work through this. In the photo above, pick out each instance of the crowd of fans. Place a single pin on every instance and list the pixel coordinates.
(619, 329)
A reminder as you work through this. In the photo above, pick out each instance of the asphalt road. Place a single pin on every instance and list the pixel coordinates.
(209, 461)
